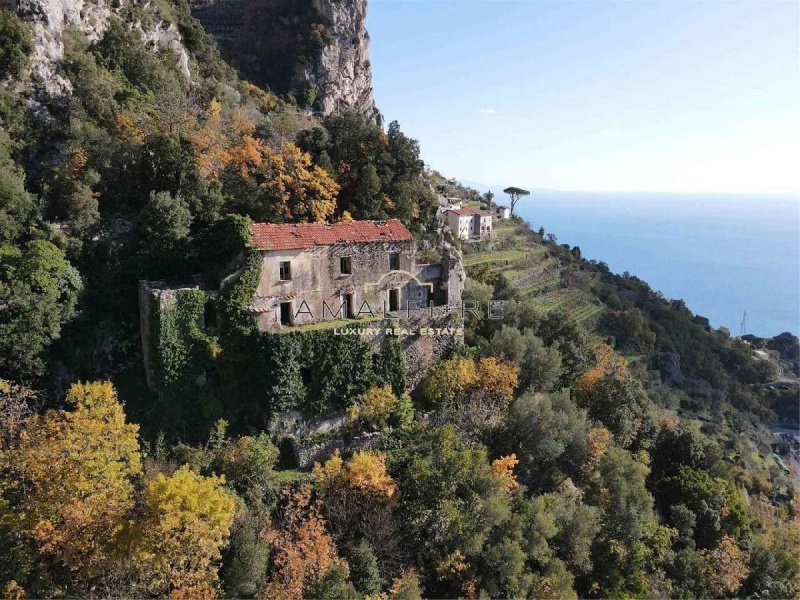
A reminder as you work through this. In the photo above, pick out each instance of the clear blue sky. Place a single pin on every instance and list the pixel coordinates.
(595, 95)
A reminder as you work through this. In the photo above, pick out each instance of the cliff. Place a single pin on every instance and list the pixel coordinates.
(315, 51)
(50, 20)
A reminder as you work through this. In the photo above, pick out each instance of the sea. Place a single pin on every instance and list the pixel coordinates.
(732, 258)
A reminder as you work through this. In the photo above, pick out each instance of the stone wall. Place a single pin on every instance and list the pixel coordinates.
(155, 296)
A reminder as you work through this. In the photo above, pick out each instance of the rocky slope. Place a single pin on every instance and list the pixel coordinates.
(51, 19)
(315, 51)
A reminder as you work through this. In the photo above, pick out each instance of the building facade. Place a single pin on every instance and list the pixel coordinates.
(470, 223)
(503, 212)
(316, 272)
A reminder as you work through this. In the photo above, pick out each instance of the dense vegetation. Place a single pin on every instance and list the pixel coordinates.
(561, 452)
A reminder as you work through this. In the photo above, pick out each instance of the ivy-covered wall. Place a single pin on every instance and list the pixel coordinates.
(235, 372)
(182, 349)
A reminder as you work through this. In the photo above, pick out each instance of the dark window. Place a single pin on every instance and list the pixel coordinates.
(394, 300)
(345, 265)
(349, 312)
(286, 271)
(394, 261)
(210, 314)
(286, 313)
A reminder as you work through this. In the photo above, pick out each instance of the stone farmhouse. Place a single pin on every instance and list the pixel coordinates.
(470, 223)
(314, 272)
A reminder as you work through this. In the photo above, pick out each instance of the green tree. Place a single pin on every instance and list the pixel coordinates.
(16, 47)
(379, 173)
(715, 503)
(547, 433)
(615, 398)
(515, 193)
(539, 366)
(364, 570)
(38, 294)
(631, 546)
(165, 220)
(559, 331)
(452, 498)
(332, 585)
(677, 446)
(17, 207)
(630, 330)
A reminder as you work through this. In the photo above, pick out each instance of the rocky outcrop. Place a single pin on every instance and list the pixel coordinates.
(668, 366)
(342, 74)
(308, 453)
(50, 19)
(316, 51)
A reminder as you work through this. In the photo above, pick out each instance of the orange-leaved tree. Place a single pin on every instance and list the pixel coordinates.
(725, 566)
(503, 467)
(357, 500)
(613, 396)
(302, 549)
(275, 182)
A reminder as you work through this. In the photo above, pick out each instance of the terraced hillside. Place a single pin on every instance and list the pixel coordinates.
(526, 265)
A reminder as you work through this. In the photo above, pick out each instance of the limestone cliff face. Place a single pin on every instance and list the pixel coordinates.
(314, 50)
(50, 19)
(342, 73)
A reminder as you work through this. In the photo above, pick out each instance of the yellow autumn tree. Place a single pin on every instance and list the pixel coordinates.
(449, 378)
(497, 379)
(503, 467)
(364, 473)
(472, 395)
(288, 183)
(357, 499)
(73, 471)
(210, 143)
(185, 522)
(126, 128)
(488, 379)
(608, 364)
(597, 441)
(375, 407)
(302, 549)
(303, 191)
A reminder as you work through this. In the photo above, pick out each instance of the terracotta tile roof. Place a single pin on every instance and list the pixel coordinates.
(295, 236)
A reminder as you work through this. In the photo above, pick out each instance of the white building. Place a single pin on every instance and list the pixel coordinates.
(469, 223)
(503, 212)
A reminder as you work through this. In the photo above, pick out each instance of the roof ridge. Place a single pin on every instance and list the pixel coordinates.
(295, 236)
